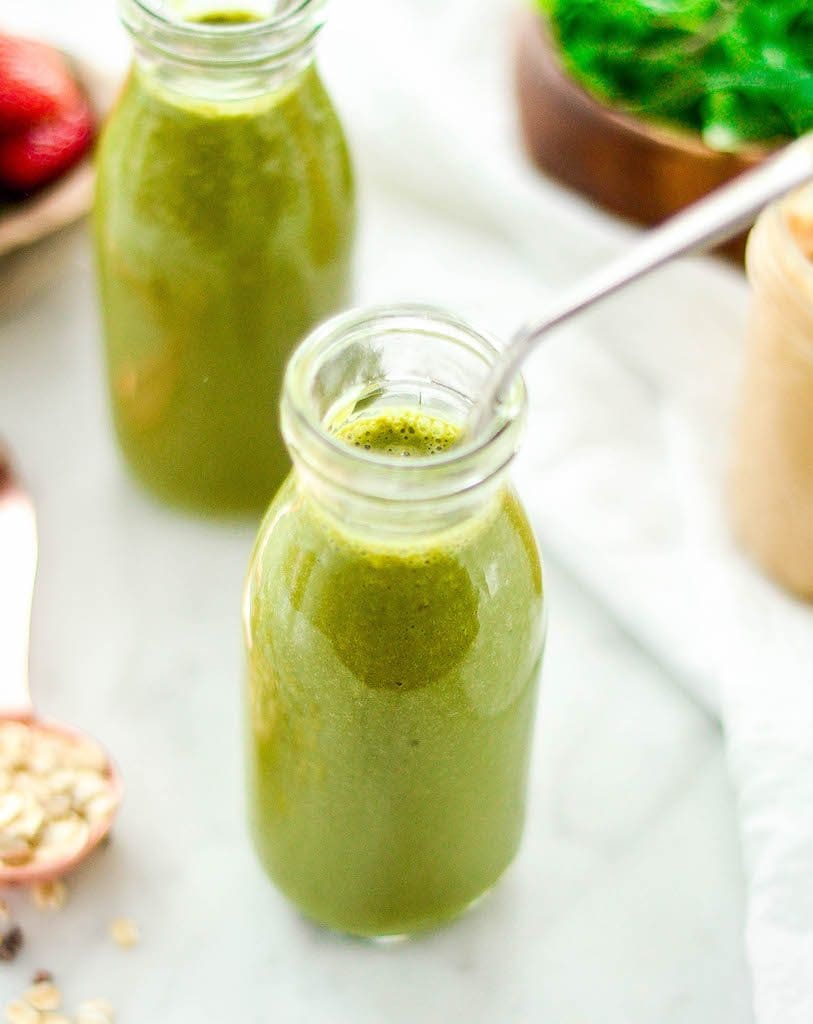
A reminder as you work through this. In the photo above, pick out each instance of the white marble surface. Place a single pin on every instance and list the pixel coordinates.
(623, 907)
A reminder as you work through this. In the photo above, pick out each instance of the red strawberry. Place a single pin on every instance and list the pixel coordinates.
(38, 154)
(35, 82)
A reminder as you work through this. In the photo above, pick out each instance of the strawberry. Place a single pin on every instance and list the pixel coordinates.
(38, 154)
(35, 82)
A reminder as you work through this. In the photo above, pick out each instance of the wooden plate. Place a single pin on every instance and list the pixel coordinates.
(31, 231)
(642, 171)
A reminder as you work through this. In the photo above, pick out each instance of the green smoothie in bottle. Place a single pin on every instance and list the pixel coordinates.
(224, 223)
(394, 627)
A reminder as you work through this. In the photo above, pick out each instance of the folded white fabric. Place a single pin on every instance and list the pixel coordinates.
(623, 463)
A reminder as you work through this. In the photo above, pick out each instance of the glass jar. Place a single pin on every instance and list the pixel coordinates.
(224, 222)
(771, 493)
(394, 629)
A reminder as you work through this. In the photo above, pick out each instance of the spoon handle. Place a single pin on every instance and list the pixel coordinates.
(712, 220)
(18, 568)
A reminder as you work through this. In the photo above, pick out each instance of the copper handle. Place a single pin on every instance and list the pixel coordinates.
(18, 569)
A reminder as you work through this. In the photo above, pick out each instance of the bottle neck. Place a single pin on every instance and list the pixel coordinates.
(399, 381)
(210, 55)
(400, 518)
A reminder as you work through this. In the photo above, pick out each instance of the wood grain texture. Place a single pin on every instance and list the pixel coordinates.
(642, 171)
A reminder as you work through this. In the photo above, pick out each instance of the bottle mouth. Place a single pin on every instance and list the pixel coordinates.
(206, 32)
(416, 358)
(775, 256)
(781, 213)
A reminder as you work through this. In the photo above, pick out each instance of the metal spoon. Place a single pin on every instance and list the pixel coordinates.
(704, 224)
(18, 564)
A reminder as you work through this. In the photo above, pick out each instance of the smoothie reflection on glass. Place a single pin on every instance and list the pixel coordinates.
(394, 628)
(224, 222)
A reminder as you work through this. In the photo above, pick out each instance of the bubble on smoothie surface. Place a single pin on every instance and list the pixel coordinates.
(401, 432)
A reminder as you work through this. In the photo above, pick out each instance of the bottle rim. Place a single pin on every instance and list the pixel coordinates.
(250, 43)
(376, 475)
(774, 258)
(801, 261)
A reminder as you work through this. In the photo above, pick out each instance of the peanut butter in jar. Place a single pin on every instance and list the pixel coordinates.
(771, 484)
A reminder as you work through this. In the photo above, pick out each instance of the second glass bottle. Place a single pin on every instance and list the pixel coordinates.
(224, 226)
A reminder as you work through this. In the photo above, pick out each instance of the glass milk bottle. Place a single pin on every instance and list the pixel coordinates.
(224, 224)
(394, 624)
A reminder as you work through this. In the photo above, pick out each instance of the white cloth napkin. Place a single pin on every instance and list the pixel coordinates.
(623, 464)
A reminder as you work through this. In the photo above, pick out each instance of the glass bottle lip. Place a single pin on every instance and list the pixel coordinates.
(375, 475)
(801, 262)
(774, 255)
(247, 43)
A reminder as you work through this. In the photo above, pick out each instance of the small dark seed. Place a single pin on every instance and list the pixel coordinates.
(42, 976)
(11, 942)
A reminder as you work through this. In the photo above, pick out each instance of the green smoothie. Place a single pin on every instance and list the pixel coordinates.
(391, 693)
(224, 232)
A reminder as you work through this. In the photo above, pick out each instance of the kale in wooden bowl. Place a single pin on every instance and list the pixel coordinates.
(736, 72)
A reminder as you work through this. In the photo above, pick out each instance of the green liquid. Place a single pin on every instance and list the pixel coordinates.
(391, 693)
(227, 18)
(224, 233)
(408, 434)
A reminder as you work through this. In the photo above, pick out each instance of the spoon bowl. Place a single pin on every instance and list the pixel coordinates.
(47, 870)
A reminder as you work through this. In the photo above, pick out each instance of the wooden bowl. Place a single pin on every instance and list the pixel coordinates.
(641, 170)
(33, 232)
